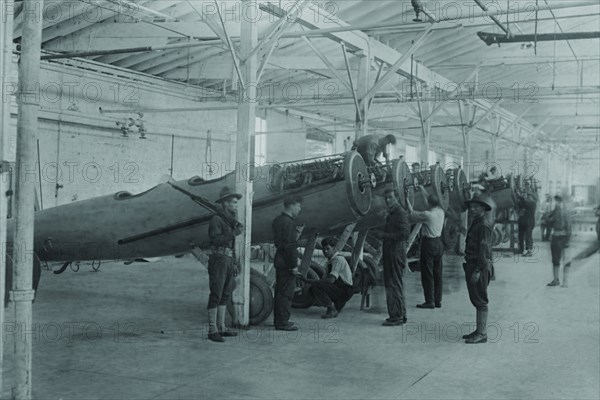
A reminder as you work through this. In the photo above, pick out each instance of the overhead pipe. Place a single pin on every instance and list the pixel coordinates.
(492, 38)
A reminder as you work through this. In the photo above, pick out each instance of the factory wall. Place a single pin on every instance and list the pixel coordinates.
(83, 152)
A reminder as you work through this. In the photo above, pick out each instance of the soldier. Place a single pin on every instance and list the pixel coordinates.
(478, 266)
(221, 268)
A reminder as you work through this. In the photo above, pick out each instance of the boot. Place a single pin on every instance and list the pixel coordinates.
(330, 313)
(555, 282)
(213, 333)
(480, 335)
(221, 312)
(566, 276)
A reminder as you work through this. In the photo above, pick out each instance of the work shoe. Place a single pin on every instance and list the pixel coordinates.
(438, 305)
(565, 284)
(476, 339)
(527, 253)
(469, 335)
(555, 282)
(393, 322)
(331, 313)
(228, 333)
(288, 327)
(425, 305)
(215, 337)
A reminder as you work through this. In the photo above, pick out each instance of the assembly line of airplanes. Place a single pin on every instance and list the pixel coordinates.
(172, 217)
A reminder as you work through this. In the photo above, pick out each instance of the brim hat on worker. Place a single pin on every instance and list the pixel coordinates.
(227, 194)
(483, 200)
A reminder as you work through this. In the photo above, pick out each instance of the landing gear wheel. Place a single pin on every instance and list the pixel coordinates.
(304, 299)
(403, 182)
(261, 300)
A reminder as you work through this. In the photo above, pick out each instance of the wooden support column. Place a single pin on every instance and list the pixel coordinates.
(495, 125)
(362, 87)
(6, 34)
(464, 109)
(246, 121)
(27, 127)
(547, 157)
(425, 134)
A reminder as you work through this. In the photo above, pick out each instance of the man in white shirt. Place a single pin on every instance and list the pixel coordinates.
(432, 248)
(335, 288)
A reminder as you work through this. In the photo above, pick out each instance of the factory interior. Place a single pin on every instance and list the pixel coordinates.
(300, 199)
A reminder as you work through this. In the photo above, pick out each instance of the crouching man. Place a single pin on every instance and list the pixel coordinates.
(335, 288)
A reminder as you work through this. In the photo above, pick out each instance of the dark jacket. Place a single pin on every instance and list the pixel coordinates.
(220, 233)
(396, 231)
(285, 237)
(478, 247)
(560, 222)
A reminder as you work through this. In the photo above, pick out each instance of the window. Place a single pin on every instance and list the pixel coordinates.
(431, 158)
(411, 155)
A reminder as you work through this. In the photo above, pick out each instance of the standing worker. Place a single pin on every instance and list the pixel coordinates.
(527, 205)
(394, 237)
(221, 267)
(370, 147)
(560, 222)
(432, 248)
(478, 266)
(285, 236)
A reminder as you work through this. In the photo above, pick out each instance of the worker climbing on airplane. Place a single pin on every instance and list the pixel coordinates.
(370, 147)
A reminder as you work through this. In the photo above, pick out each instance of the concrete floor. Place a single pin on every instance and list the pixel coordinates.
(139, 332)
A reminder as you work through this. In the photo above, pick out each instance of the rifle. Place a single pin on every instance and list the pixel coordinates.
(209, 206)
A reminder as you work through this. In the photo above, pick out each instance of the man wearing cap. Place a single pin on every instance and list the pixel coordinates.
(222, 231)
(285, 236)
(432, 248)
(394, 235)
(560, 222)
(478, 266)
(371, 146)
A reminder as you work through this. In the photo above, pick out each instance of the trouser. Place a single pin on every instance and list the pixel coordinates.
(432, 250)
(557, 247)
(545, 231)
(220, 279)
(478, 291)
(285, 282)
(394, 262)
(326, 292)
(525, 237)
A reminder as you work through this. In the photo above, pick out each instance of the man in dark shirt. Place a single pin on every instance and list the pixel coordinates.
(221, 268)
(285, 236)
(561, 234)
(371, 146)
(527, 205)
(394, 237)
(478, 266)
